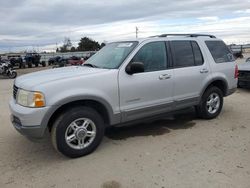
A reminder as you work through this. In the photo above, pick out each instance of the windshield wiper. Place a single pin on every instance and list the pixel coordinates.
(90, 65)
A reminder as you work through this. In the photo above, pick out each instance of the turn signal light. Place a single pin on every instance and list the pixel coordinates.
(39, 99)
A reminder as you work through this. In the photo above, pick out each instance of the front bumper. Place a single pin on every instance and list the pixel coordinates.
(29, 131)
(28, 121)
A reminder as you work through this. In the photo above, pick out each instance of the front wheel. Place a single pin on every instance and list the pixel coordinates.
(77, 132)
(211, 103)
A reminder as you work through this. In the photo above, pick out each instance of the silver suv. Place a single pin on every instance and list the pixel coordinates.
(125, 82)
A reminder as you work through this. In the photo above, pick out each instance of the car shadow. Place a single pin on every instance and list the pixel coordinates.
(181, 120)
(42, 153)
(239, 90)
(2, 77)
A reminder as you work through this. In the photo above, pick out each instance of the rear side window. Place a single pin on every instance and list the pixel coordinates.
(219, 51)
(186, 54)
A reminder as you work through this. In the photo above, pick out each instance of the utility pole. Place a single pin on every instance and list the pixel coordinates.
(136, 32)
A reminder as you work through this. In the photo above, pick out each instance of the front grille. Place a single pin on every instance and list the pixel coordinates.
(244, 74)
(15, 89)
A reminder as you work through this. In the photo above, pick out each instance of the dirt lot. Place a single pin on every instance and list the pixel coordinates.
(179, 151)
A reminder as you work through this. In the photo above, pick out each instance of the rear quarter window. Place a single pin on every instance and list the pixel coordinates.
(219, 51)
(197, 53)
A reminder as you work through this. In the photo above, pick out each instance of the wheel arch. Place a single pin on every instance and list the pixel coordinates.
(221, 83)
(101, 106)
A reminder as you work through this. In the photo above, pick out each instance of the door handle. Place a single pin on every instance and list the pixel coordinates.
(164, 76)
(204, 70)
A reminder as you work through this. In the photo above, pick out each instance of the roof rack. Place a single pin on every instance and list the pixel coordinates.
(187, 35)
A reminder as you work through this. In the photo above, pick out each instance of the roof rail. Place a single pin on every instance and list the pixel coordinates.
(187, 35)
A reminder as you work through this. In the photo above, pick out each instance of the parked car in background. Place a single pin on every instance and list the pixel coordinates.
(238, 54)
(34, 59)
(237, 51)
(59, 62)
(16, 60)
(54, 60)
(244, 74)
(124, 83)
(75, 60)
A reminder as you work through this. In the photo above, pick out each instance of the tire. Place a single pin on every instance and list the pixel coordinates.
(43, 64)
(209, 109)
(12, 75)
(63, 127)
(30, 65)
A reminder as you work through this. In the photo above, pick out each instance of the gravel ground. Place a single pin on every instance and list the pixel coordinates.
(178, 151)
(34, 69)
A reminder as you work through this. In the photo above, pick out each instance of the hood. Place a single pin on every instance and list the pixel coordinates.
(33, 79)
(244, 66)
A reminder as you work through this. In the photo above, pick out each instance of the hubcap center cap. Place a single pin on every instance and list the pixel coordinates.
(81, 133)
(214, 103)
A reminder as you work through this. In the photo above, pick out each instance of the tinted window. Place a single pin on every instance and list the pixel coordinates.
(197, 53)
(219, 51)
(153, 56)
(182, 53)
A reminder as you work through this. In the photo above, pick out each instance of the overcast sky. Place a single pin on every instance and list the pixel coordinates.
(41, 24)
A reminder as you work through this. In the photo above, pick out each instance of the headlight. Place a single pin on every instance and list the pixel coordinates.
(30, 98)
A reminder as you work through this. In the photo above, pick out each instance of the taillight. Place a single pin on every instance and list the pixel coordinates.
(236, 72)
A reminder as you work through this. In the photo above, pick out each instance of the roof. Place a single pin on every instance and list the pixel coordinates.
(172, 36)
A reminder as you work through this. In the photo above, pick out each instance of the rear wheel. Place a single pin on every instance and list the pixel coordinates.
(211, 103)
(12, 74)
(78, 132)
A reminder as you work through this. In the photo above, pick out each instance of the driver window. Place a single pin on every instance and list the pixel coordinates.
(153, 56)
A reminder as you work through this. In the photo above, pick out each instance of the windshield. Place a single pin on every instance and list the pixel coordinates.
(112, 55)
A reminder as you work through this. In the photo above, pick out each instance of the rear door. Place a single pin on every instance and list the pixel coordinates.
(190, 70)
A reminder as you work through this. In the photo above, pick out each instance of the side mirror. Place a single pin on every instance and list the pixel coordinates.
(135, 67)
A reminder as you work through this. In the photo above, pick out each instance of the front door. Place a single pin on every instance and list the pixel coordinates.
(150, 92)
